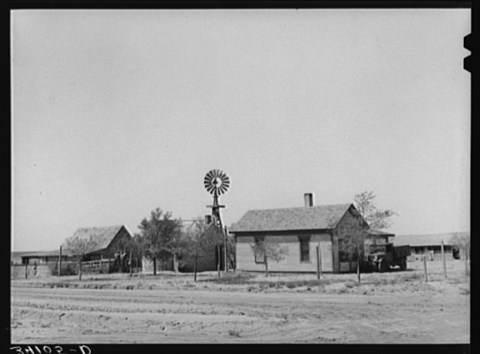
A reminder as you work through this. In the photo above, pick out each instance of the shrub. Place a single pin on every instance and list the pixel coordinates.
(68, 268)
(233, 333)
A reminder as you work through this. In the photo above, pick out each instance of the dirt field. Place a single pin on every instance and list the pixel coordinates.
(395, 307)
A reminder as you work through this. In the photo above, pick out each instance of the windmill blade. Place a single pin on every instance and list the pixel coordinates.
(210, 189)
(222, 190)
(210, 175)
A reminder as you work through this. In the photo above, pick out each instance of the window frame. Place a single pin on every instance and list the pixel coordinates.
(302, 240)
(256, 258)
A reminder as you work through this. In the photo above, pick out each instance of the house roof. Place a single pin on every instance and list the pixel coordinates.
(302, 218)
(103, 235)
(426, 239)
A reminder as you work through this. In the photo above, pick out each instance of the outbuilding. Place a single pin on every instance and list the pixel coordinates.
(109, 252)
(44, 257)
(430, 245)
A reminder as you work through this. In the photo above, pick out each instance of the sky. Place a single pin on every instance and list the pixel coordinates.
(118, 112)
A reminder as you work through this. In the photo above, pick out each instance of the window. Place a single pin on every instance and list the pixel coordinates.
(259, 258)
(304, 248)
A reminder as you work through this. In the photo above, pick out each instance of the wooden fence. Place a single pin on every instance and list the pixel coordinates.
(98, 266)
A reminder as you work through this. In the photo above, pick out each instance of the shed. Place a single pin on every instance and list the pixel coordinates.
(43, 257)
(300, 229)
(16, 256)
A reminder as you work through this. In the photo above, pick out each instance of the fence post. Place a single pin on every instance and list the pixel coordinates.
(219, 257)
(225, 250)
(318, 263)
(444, 261)
(425, 267)
(26, 270)
(60, 262)
(131, 265)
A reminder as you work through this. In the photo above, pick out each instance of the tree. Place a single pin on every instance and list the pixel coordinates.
(121, 249)
(79, 247)
(462, 241)
(135, 249)
(266, 249)
(352, 233)
(200, 240)
(161, 236)
(376, 218)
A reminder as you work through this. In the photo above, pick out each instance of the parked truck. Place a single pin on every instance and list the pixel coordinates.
(383, 257)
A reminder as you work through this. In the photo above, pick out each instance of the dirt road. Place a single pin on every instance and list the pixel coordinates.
(65, 315)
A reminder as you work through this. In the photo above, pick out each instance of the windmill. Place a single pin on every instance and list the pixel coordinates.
(217, 183)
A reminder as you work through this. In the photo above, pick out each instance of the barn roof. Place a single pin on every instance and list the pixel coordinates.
(103, 235)
(301, 218)
(426, 239)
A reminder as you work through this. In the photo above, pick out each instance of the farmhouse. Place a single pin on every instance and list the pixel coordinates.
(301, 230)
(430, 244)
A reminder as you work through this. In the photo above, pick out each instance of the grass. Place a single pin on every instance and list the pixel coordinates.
(395, 281)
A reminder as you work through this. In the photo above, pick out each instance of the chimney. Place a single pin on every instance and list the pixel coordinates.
(309, 200)
(208, 219)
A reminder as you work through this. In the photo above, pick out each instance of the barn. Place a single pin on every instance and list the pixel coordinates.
(430, 244)
(301, 230)
(110, 246)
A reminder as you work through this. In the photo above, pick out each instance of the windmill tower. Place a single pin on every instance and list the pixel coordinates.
(217, 183)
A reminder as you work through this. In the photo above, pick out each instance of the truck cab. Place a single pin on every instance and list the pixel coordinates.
(384, 256)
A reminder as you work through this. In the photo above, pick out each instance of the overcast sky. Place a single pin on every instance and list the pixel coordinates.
(116, 113)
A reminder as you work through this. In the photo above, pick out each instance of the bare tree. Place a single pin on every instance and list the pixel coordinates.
(352, 234)
(462, 241)
(266, 249)
(376, 218)
(79, 247)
